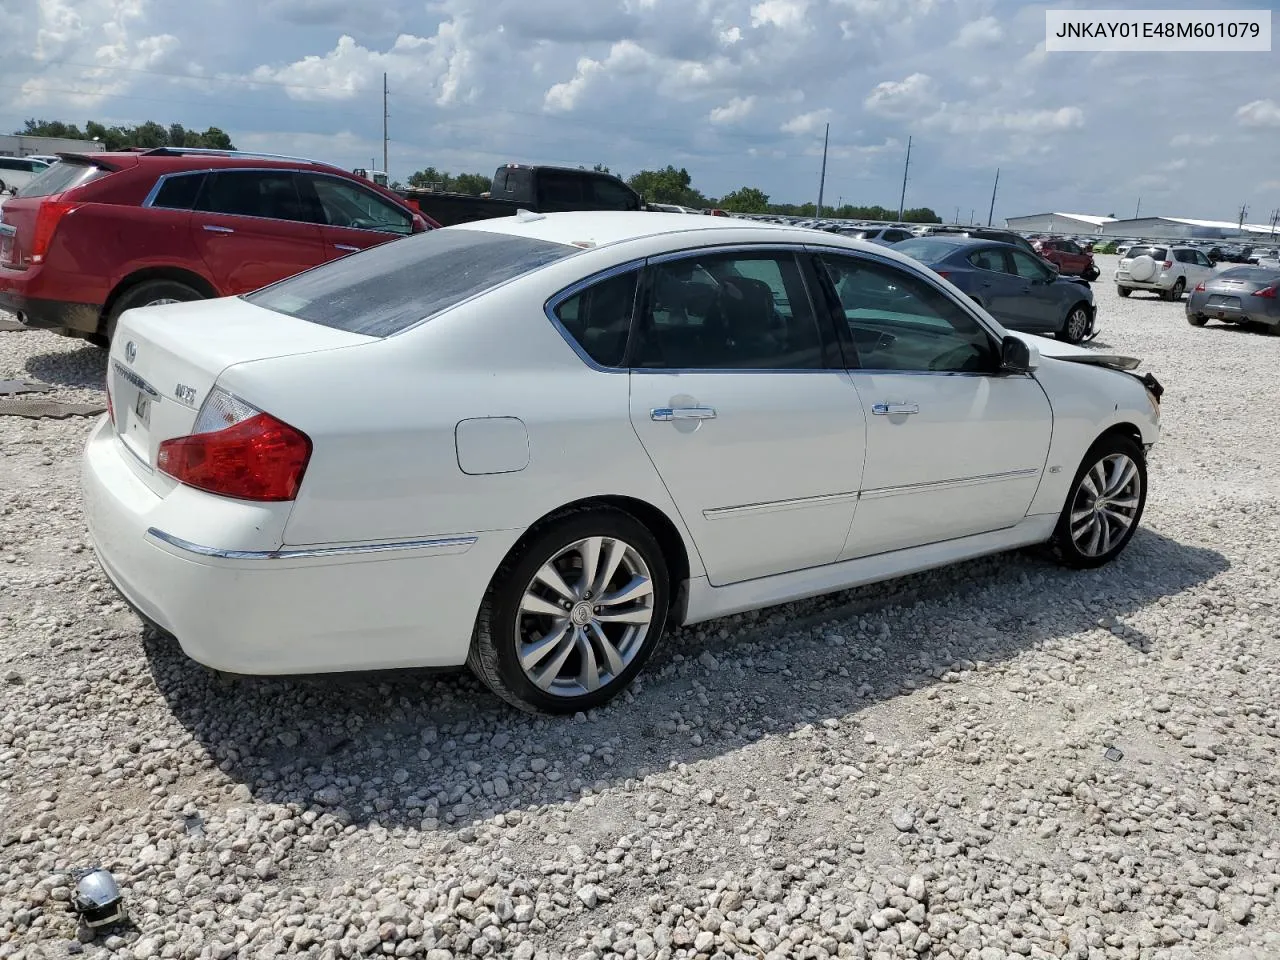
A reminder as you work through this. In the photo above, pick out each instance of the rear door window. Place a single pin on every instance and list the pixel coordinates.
(560, 191)
(271, 194)
(395, 285)
(598, 319)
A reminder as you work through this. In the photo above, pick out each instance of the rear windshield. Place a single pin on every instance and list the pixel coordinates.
(1260, 274)
(393, 286)
(59, 178)
(1155, 253)
(926, 250)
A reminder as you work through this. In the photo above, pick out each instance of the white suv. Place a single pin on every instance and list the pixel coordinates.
(1168, 270)
(16, 172)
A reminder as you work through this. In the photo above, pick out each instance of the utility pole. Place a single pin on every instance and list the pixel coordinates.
(957, 220)
(971, 213)
(1137, 208)
(992, 211)
(1243, 210)
(1275, 218)
(385, 136)
(822, 179)
(902, 201)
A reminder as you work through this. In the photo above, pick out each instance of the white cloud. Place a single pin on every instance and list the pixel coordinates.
(784, 14)
(625, 57)
(966, 118)
(903, 98)
(979, 33)
(732, 112)
(806, 122)
(1201, 140)
(1259, 113)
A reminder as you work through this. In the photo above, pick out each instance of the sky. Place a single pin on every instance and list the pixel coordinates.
(739, 92)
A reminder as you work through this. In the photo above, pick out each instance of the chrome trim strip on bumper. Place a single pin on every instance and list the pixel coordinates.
(458, 544)
(723, 513)
(880, 492)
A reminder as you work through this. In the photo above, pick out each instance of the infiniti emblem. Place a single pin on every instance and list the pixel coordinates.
(130, 351)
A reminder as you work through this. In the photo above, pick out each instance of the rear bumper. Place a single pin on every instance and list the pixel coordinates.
(45, 314)
(291, 611)
(1198, 305)
(1162, 282)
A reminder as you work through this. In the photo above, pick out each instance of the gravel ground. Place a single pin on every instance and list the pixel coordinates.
(910, 770)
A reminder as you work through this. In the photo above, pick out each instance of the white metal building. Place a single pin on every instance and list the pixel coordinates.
(18, 145)
(1058, 223)
(1185, 228)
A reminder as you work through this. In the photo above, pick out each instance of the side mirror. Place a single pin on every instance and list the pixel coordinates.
(1018, 356)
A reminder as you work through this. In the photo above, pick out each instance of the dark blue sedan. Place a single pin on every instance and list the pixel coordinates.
(1021, 291)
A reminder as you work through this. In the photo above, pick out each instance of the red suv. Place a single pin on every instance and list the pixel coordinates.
(1069, 257)
(97, 234)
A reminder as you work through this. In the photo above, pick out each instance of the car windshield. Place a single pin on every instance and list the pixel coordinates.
(395, 285)
(1155, 253)
(925, 249)
(59, 178)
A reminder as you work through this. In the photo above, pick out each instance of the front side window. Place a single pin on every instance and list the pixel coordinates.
(1027, 267)
(1202, 260)
(746, 311)
(599, 317)
(346, 204)
(395, 285)
(901, 322)
(272, 194)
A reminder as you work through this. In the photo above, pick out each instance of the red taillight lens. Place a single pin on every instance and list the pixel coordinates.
(1200, 287)
(255, 457)
(1268, 292)
(48, 215)
(1167, 265)
(943, 273)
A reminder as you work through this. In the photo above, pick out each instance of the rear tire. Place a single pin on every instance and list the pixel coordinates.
(1123, 291)
(146, 294)
(1104, 505)
(1179, 287)
(1197, 319)
(541, 591)
(1092, 274)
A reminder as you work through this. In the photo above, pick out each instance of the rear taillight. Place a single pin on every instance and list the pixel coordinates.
(1167, 265)
(237, 450)
(1267, 292)
(1200, 287)
(48, 215)
(943, 273)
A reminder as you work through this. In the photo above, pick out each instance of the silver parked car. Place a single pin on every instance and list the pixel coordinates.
(1237, 295)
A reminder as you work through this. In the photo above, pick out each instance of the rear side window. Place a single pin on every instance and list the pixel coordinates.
(61, 177)
(599, 318)
(395, 285)
(179, 192)
(255, 193)
(562, 190)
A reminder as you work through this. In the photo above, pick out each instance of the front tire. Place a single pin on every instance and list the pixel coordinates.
(1076, 326)
(1123, 291)
(149, 293)
(573, 613)
(1104, 505)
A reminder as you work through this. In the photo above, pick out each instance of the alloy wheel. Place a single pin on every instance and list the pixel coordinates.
(1077, 325)
(1106, 504)
(584, 616)
(160, 301)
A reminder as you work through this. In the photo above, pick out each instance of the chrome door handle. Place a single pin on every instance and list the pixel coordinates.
(889, 409)
(682, 413)
(215, 229)
(344, 246)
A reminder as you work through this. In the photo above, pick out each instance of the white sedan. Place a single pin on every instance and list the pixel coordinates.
(532, 444)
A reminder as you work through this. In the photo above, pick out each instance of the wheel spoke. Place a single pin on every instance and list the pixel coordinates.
(1098, 478)
(1095, 535)
(1126, 472)
(637, 588)
(532, 603)
(545, 677)
(630, 615)
(1122, 520)
(1128, 503)
(537, 651)
(549, 575)
(1082, 514)
(589, 549)
(612, 658)
(615, 550)
(589, 671)
(1104, 530)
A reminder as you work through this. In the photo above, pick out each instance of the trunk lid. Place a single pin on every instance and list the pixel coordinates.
(165, 360)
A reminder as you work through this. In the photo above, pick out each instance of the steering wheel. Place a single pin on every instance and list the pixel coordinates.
(957, 358)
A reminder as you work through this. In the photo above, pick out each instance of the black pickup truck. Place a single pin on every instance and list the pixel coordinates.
(519, 187)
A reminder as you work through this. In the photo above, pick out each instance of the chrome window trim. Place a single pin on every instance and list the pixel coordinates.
(773, 506)
(440, 544)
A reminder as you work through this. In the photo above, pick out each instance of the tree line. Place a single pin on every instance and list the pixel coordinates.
(670, 185)
(146, 135)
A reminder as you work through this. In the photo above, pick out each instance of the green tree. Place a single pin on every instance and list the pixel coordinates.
(147, 134)
(430, 177)
(472, 184)
(668, 185)
(745, 200)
